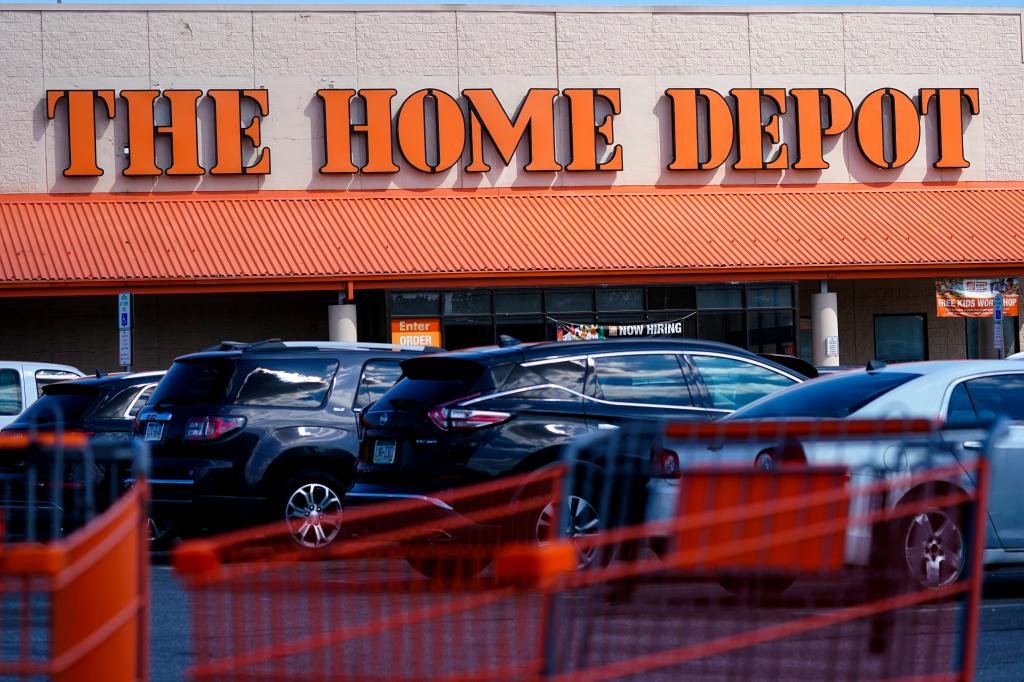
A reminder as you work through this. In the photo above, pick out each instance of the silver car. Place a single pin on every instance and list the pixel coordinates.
(956, 392)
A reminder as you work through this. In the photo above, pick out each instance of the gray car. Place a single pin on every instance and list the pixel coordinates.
(955, 392)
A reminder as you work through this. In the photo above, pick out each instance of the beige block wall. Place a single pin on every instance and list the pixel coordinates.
(642, 51)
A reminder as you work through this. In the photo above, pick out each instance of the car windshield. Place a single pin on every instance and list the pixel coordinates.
(203, 382)
(59, 404)
(832, 398)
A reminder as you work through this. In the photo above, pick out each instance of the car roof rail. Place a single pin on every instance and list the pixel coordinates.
(266, 344)
(357, 345)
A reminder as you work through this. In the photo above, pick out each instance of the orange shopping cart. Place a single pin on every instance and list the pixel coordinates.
(74, 559)
(713, 552)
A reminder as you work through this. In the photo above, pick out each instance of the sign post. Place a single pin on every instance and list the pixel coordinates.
(997, 331)
(124, 330)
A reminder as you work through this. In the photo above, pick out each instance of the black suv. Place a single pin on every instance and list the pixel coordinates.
(471, 416)
(252, 433)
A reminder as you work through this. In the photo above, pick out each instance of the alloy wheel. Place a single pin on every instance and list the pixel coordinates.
(934, 549)
(313, 513)
(582, 521)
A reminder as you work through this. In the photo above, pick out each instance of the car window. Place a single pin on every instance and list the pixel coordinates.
(568, 374)
(733, 383)
(834, 397)
(652, 379)
(59, 404)
(115, 407)
(1001, 395)
(10, 392)
(378, 377)
(141, 400)
(285, 383)
(45, 377)
(961, 407)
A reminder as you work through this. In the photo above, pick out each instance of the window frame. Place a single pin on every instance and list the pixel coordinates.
(948, 395)
(588, 386)
(19, 387)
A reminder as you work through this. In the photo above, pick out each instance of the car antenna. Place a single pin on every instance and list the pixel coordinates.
(874, 365)
(99, 374)
(505, 341)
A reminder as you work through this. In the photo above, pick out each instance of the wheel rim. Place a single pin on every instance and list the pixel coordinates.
(582, 521)
(313, 513)
(934, 548)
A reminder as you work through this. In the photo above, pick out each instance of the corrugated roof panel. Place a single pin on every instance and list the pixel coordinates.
(246, 237)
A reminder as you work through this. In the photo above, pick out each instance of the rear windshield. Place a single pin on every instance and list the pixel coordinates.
(833, 398)
(60, 404)
(284, 382)
(431, 381)
(194, 383)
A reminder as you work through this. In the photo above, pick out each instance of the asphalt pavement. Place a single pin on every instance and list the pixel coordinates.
(1000, 656)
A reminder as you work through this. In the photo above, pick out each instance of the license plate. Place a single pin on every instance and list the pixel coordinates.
(384, 452)
(154, 432)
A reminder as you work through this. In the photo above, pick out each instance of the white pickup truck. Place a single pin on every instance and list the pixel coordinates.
(22, 382)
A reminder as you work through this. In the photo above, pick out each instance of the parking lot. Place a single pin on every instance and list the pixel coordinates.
(999, 660)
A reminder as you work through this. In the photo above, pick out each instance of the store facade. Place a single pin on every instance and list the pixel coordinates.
(787, 181)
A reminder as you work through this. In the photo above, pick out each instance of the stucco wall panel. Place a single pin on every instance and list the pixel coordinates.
(604, 44)
(700, 43)
(193, 44)
(304, 44)
(23, 125)
(513, 44)
(406, 44)
(796, 43)
(95, 44)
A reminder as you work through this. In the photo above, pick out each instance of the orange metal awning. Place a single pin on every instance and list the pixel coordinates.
(63, 245)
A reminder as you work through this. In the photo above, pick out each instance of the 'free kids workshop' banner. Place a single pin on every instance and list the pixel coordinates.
(973, 297)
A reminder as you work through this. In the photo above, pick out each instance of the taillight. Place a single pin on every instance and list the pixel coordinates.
(211, 428)
(664, 463)
(449, 418)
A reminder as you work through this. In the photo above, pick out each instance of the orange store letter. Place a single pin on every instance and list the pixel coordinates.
(750, 131)
(338, 129)
(904, 134)
(183, 131)
(583, 127)
(685, 135)
(536, 114)
(951, 123)
(228, 115)
(81, 126)
(412, 131)
(811, 131)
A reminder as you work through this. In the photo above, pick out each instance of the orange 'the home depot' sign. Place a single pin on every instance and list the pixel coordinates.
(434, 131)
(418, 332)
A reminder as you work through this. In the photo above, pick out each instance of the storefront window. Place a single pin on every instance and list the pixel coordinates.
(771, 331)
(570, 300)
(672, 298)
(726, 296)
(518, 302)
(466, 333)
(415, 303)
(620, 299)
(467, 303)
(900, 338)
(725, 326)
(769, 296)
(524, 329)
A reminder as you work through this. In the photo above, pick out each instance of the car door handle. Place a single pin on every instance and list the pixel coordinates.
(972, 445)
(607, 427)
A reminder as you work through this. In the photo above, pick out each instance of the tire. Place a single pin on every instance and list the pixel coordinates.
(584, 521)
(310, 503)
(931, 552)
